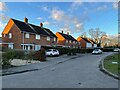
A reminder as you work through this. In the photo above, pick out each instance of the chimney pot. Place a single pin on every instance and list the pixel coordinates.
(67, 33)
(25, 20)
(41, 24)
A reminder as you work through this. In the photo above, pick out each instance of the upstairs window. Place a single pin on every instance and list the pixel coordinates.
(10, 35)
(74, 42)
(48, 38)
(4, 35)
(66, 41)
(54, 39)
(27, 35)
(37, 36)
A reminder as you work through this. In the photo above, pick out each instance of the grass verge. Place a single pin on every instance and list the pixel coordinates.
(111, 63)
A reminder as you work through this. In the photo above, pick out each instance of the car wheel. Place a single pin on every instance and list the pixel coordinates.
(51, 55)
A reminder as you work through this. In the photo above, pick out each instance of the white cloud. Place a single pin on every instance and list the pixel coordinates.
(2, 25)
(3, 17)
(104, 7)
(2, 6)
(39, 18)
(46, 23)
(79, 26)
(45, 8)
(66, 29)
(75, 5)
(66, 22)
(115, 5)
(57, 14)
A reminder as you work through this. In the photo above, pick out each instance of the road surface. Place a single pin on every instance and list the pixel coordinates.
(81, 72)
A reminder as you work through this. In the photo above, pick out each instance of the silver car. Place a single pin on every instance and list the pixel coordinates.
(97, 51)
(52, 52)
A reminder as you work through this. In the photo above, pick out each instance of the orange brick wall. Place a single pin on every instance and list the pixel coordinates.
(17, 38)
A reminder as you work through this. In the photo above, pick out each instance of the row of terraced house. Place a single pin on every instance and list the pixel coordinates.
(23, 35)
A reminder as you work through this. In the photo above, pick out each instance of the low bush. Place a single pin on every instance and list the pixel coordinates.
(7, 57)
(40, 55)
(107, 49)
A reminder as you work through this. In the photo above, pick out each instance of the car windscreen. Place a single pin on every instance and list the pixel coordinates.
(49, 50)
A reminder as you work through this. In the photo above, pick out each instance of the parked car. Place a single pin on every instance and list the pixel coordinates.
(97, 51)
(52, 52)
(116, 50)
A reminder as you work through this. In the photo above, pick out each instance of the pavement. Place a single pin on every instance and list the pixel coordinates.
(37, 66)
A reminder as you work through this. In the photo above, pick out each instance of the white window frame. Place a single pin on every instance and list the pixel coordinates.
(10, 46)
(4, 35)
(89, 45)
(74, 42)
(37, 47)
(66, 41)
(48, 38)
(10, 35)
(37, 36)
(54, 39)
(27, 35)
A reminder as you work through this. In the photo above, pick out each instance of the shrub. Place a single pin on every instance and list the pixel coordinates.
(7, 57)
(29, 55)
(74, 51)
(19, 54)
(40, 55)
(69, 52)
(107, 49)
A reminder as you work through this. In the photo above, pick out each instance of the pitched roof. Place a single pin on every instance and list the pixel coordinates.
(68, 37)
(93, 41)
(30, 28)
(86, 40)
(49, 32)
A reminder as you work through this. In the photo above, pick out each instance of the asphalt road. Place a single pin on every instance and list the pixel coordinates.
(81, 72)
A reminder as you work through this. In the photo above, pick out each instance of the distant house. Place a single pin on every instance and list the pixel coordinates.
(85, 42)
(94, 44)
(66, 40)
(26, 36)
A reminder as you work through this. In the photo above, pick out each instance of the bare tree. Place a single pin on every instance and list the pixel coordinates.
(97, 35)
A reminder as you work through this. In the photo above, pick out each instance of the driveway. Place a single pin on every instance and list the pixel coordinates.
(81, 72)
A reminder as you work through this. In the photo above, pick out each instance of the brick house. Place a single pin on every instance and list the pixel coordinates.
(26, 36)
(85, 42)
(94, 44)
(66, 40)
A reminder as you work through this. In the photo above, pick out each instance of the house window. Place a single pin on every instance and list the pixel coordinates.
(4, 35)
(10, 35)
(70, 41)
(74, 42)
(48, 38)
(37, 47)
(37, 36)
(27, 35)
(10, 46)
(54, 39)
(66, 41)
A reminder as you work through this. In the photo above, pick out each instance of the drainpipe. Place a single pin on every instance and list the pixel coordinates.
(23, 40)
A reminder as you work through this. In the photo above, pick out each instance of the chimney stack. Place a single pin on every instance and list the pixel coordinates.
(62, 31)
(25, 20)
(67, 33)
(41, 24)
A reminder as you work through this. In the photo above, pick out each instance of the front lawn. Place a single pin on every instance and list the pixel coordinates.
(111, 63)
